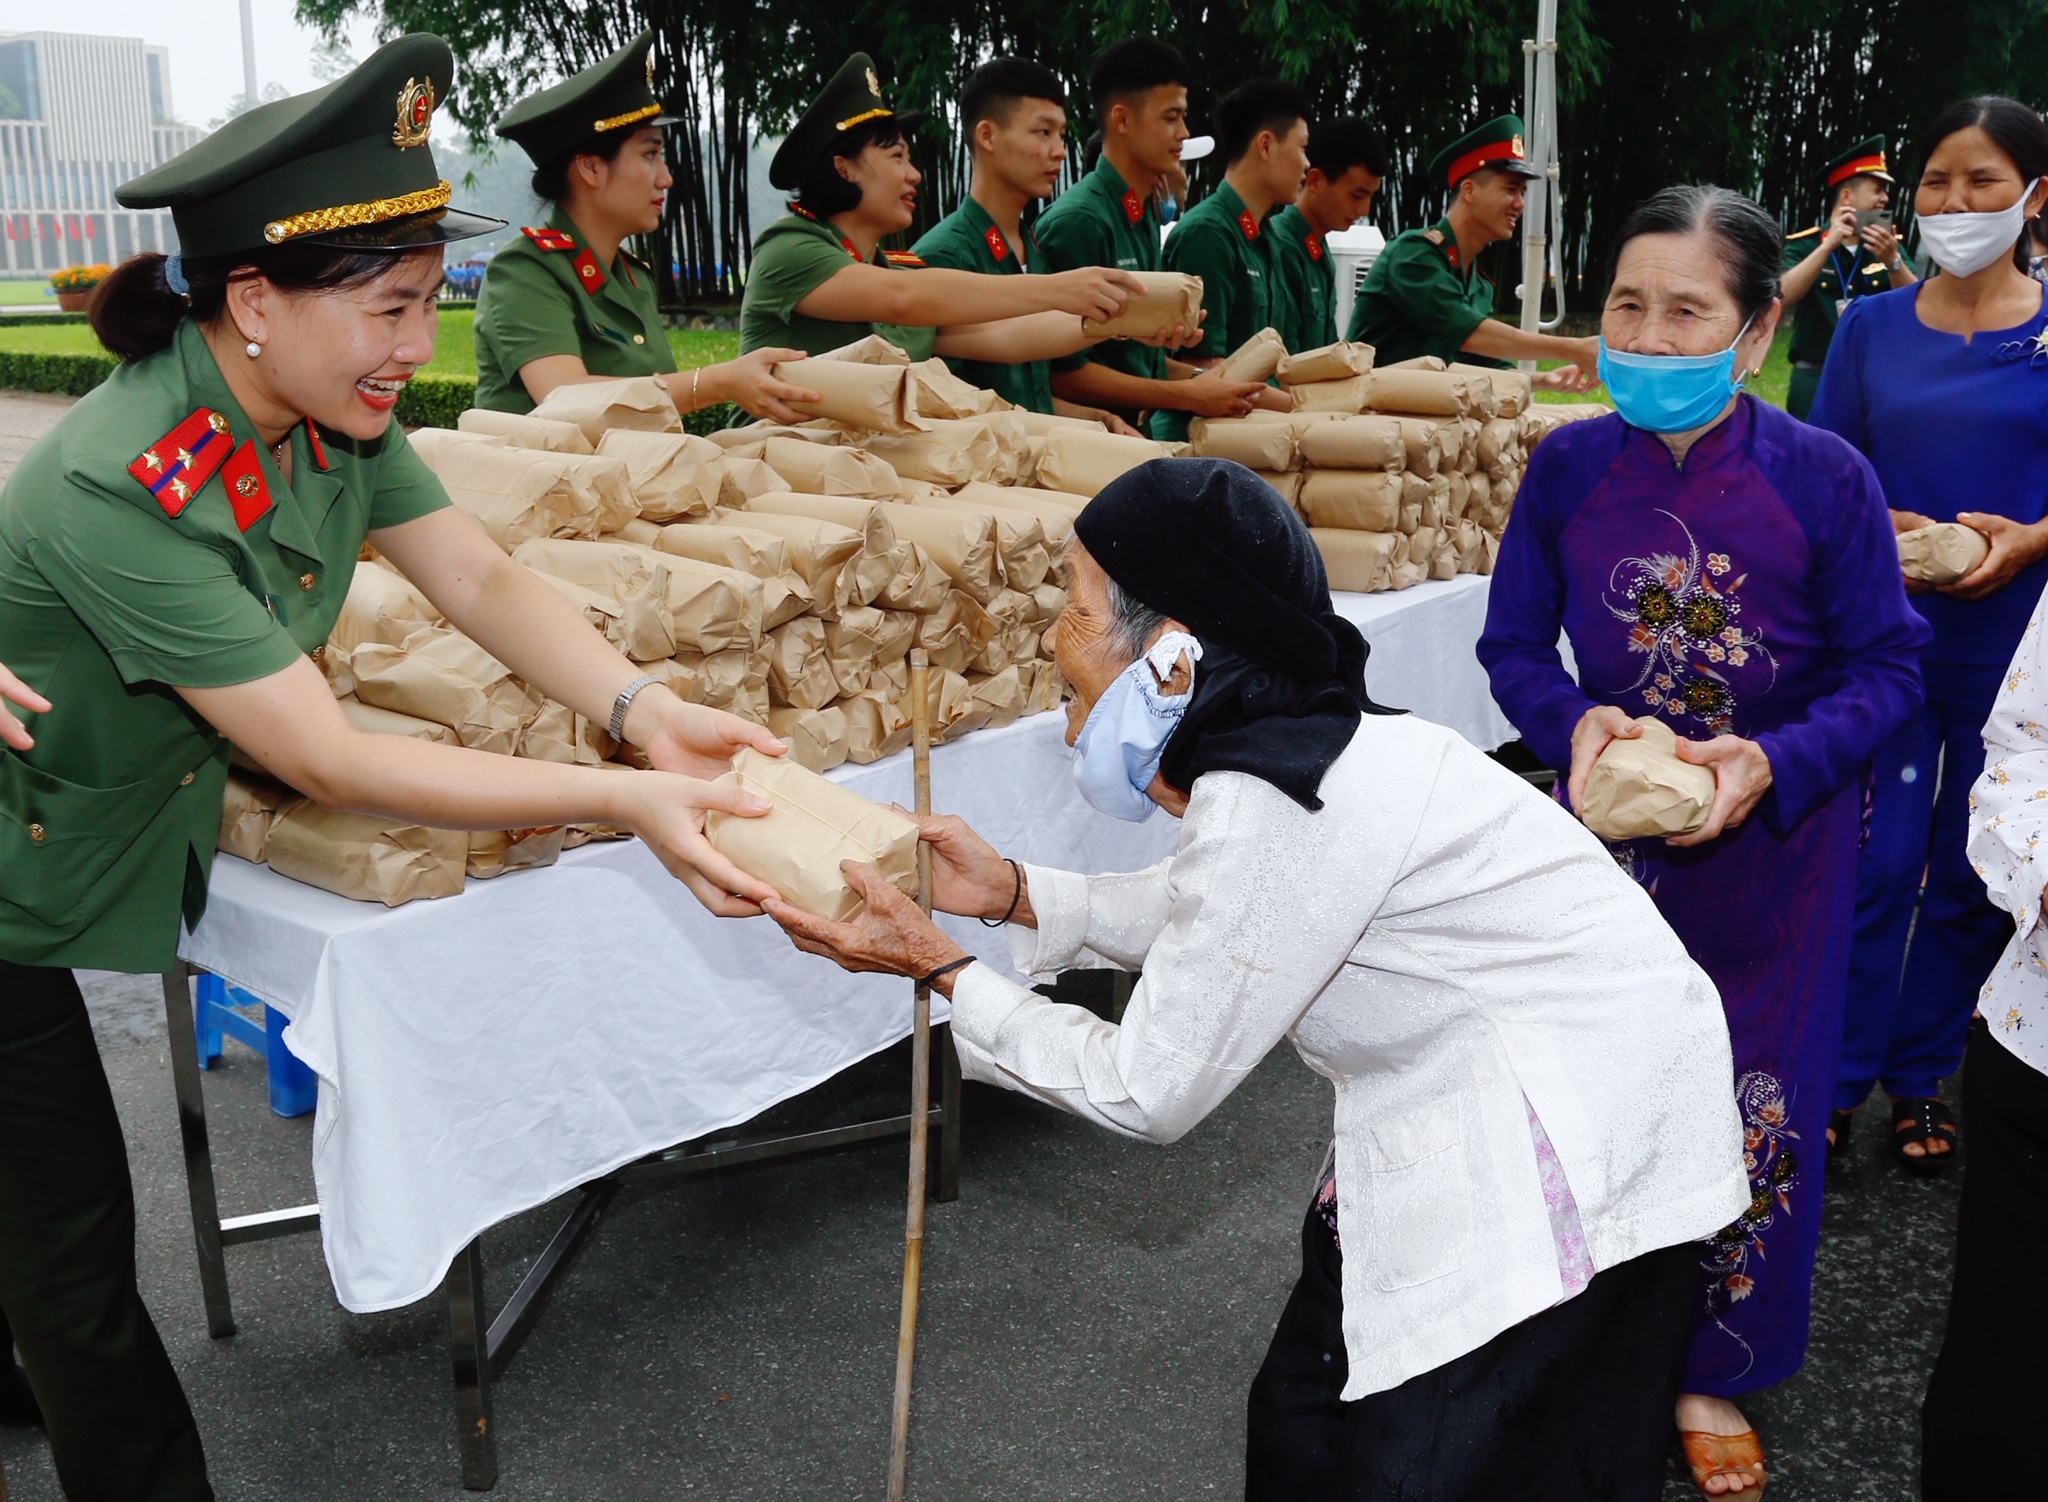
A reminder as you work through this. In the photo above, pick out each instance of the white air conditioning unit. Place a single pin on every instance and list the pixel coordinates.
(1354, 251)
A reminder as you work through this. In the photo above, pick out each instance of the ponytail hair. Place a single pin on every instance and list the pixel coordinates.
(134, 312)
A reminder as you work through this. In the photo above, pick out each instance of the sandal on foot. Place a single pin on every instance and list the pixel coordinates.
(1710, 1455)
(1923, 1121)
(1839, 1123)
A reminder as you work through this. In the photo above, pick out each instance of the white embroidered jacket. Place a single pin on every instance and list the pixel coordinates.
(1441, 942)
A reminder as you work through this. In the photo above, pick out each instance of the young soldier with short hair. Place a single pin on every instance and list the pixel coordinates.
(1347, 161)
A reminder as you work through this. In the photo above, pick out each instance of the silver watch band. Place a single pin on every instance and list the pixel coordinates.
(625, 701)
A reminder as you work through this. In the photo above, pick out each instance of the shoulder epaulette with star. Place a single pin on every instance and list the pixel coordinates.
(902, 258)
(1433, 236)
(174, 467)
(1802, 234)
(550, 239)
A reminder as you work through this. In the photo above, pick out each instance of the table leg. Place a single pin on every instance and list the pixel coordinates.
(945, 1179)
(184, 1046)
(468, 1325)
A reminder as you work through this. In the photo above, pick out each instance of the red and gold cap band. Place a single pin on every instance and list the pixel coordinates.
(1484, 156)
(1857, 167)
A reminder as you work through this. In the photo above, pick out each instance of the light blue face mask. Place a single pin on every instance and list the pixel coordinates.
(1169, 210)
(1117, 753)
(1670, 393)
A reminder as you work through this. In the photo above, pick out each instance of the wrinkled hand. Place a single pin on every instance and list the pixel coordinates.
(1597, 726)
(2014, 545)
(14, 691)
(890, 935)
(1097, 292)
(758, 381)
(968, 876)
(1212, 395)
(1742, 775)
(668, 812)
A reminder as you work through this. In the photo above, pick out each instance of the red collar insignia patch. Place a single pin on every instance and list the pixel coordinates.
(313, 443)
(1134, 206)
(1249, 225)
(997, 245)
(1451, 255)
(1314, 242)
(242, 474)
(550, 239)
(174, 467)
(588, 273)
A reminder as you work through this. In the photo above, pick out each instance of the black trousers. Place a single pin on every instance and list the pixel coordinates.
(120, 1428)
(1987, 1404)
(1573, 1403)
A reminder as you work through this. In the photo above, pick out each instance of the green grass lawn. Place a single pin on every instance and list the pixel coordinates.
(26, 294)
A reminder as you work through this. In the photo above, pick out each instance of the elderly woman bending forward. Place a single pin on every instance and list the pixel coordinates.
(1532, 1119)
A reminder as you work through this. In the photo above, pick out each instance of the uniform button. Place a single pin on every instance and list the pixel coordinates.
(319, 656)
(307, 581)
(36, 833)
(187, 779)
(639, 338)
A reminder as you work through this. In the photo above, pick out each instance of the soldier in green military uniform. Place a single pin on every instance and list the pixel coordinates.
(1111, 218)
(1424, 294)
(1015, 113)
(567, 302)
(1853, 252)
(170, 554)
(1262, 132)
(1347, 161)
(821, 279)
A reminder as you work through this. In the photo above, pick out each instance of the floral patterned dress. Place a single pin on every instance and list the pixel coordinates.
(1752, 591)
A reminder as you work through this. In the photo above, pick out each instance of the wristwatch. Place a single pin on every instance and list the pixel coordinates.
(625, 701)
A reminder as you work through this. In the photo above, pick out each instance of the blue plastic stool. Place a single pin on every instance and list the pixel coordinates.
(294, 1089)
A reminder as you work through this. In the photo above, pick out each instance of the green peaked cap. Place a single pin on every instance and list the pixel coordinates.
(852, 97)
(345, 165)
(1497, 143)
(607, 95)
(1864, 159)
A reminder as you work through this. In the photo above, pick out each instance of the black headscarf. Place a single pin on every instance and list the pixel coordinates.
(1281, 683)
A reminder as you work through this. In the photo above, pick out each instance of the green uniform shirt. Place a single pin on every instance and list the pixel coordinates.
(545, 294)
(1218, 241)
(108, 824)
(1102, 221)
(1304, 282)
(794, 257)
(1417, 299)
(1851, 272)
(968, 240)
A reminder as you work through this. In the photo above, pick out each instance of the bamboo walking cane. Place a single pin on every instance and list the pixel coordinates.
(920, 1094)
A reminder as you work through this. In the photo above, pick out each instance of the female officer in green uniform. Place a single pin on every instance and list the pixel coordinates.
(820, 279)
(169, 555)
(565, 302)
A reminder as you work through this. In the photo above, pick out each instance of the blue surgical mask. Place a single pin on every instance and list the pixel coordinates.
(1169, 210)
(1117, 753)
(1670, 393)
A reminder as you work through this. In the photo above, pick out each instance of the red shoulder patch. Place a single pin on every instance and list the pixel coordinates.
(1134, 206)
(997, 245)
(313, 442)
(174, 467)
(902, 258)
(550, 239)
(588, 272)
(1249, 225)
(242, 474)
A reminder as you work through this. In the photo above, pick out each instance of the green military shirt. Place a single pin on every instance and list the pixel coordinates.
(1102, 221)
(1417, 299)
(1304, 282)
(545, 294)
(107, 599)
(1218, 241)
(968, 240)
(794, 257)
(1849, 273)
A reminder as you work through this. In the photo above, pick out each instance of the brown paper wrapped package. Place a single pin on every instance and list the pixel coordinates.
(1002, 694)
(1257, 358)
(516, 493)
(1255, 445)
(1039, 424)
(817, 738)
(1020, 537)
(672, 475)
(746, 478)
(1362, 500)
(853, 643)
(877, 725)
(380, 606)
(814, 826)
(1514, 390)
(869, 398)
(716, 679)
(712, 607)
(493, 852)
(559, 734)
(955, 634)
(1288, 485)
(443, 676)
(525, 431)
(760, 554)
(1361, 562)
(1430, 393)
(1332, 362)
(872, 350)
(247, 808)
(364, 857)
(799, 672)
(1354, 443)
(1941, 553)
(438, 446)
(636, 402)
(1047, 601)
(372, 720)
(819, 550)
(825, 469)
(940, 393)
(962, 543)
(1170, 298)
(1639, 788)
(951, 453)
(635, 579)
(1082, 462)
(864, 576)
(1346, 395)
(1421, 444)
(1418, 362)
(1054, 509)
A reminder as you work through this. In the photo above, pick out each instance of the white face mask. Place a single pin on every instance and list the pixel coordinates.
(1963, 244)
(1118, 751)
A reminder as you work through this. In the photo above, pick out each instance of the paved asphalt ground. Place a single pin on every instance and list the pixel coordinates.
(1094, 1309)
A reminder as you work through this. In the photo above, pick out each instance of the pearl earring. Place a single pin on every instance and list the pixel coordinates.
(252, 349)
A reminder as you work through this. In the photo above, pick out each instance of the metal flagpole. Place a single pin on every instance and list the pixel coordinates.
(920, 1093)
(248, 56)
(1543, 212)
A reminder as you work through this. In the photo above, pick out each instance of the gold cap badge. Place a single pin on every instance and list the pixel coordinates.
(1515, 146)
(650, 67)
(415, 114)
(874, 84)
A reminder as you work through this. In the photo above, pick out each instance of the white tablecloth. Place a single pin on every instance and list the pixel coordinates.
(481, 1054)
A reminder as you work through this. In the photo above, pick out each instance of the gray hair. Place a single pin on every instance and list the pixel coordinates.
(1132, 623)
(1751, 244)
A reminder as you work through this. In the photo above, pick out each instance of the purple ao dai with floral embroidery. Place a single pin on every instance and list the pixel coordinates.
(1752, 591)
